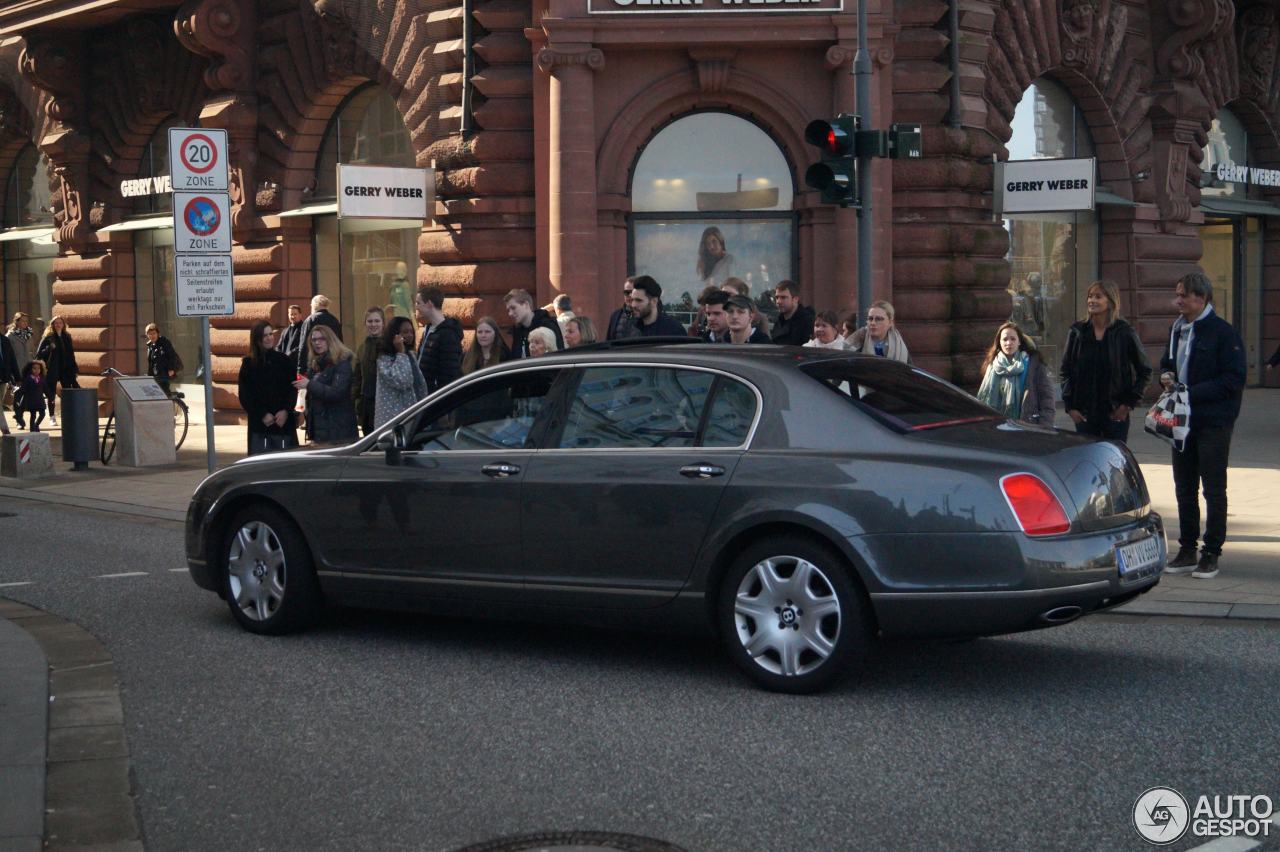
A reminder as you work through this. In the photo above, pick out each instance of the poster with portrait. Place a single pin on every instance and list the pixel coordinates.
(685, 256)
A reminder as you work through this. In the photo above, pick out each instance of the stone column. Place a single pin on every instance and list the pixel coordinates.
(572, 226)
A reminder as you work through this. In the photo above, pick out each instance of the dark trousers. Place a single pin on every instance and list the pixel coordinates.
(1106, 429)
(1203, 460)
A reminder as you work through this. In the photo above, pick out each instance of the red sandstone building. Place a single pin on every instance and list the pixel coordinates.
(578, 141)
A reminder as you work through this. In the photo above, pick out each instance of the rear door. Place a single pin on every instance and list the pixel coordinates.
(619, 501)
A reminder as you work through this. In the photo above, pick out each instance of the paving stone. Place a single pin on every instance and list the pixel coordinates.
(90, 742)
(89, 804)
(1255, 611)
(86, 711)
(1188, 608)
(85, 681)
(22, 739)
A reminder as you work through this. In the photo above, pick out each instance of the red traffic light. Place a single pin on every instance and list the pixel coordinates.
(834, 137)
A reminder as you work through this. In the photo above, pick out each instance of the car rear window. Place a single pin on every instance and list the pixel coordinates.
(901, 397)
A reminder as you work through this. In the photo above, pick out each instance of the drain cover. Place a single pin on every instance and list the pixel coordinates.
(574, 841)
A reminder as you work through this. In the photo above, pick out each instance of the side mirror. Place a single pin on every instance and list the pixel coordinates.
(393, 444)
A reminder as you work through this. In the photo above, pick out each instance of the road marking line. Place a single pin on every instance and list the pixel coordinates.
(124, 574)
(23, 583)
(177, 570)
(1227, 844)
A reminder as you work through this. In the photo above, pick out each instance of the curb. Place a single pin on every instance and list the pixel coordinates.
(87, 793)
(1201, 609)
(152, 513)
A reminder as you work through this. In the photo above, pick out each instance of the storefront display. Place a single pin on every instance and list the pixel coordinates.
(27, 240)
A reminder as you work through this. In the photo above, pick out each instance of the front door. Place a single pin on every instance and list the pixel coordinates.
(618, 505)
(444, 518)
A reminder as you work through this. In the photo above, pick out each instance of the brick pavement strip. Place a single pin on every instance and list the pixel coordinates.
(64, 756)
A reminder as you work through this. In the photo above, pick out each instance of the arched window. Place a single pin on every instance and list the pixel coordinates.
(1053, 257)
(364, 263)
(28, 257)
(711, 198)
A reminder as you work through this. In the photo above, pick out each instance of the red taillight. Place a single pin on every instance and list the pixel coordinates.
(1033, 504)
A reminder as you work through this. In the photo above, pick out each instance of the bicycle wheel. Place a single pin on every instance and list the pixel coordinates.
(108, 446)
(179, 423)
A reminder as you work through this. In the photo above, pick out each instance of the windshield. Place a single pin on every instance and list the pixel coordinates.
(901, 397)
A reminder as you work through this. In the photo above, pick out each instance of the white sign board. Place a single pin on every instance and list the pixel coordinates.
(141, 389)
(198, 159)
(380, 192)
(205, 286)
(201, 223)
(1044, 186)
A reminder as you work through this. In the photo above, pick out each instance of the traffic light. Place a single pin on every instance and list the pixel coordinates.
(836, 174)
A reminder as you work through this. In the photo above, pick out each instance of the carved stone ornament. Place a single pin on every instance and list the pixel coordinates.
(51, 64)
(1086, 26)
(1193, 23)
(1170, 160)
(839, 56)
(341, 50)
(141, 42)
(556, 57)
(713, 65)
(1258, 41)
(220, 30)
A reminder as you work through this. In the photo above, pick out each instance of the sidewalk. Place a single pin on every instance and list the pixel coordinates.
(1248, 586)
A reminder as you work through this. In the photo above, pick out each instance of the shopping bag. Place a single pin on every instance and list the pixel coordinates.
(1170, 418)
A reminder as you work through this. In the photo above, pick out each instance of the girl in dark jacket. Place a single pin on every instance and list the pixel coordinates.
(331, 418)
(267, 394)
(30, 398)
(364, 377)
(56, 351)
(1104, 367)
(1015, 379)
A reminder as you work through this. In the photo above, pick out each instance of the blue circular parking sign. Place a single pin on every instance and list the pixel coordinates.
(202, 216)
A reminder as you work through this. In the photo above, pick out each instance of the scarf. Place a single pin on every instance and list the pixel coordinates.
(1181, 350)
(895, 348)
(23, 334)
(1004, 383)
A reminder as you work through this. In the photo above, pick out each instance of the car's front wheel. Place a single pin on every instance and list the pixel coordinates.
(269, 577)
(791, 615)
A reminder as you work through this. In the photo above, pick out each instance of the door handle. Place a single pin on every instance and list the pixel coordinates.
(701, 471)
(500, 470)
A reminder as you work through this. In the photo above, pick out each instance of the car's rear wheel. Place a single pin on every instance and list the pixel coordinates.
(791, 615)
(270, 580)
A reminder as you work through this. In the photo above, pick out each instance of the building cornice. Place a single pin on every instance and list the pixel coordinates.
(23, 16)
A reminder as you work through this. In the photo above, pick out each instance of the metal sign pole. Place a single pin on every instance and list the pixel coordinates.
(862, 109)
(208, 394)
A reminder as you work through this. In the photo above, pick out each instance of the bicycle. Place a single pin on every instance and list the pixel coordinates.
(181, 421)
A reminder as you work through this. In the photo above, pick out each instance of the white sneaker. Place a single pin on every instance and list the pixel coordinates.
(53, 421)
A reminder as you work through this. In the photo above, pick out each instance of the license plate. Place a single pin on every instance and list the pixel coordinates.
(1138, 555)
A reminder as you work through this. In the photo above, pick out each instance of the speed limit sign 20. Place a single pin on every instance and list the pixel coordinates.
(198, 158)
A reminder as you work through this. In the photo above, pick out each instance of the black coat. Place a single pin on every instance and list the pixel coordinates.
(1216, 372)
(1128, 369)
(290, 340)
(440, 355)
(59, 355)
(520, 334)
(10, 369)
(664, 326)
(620, 323)
(266, 387)
(796, 331)
(160, 358)
(321, 317)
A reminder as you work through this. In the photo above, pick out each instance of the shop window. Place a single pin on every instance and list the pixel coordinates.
(1227, 149)
(1053, 257)
(711, 198)
(155, 197)
(28, 254)
(156, 300)
(363, 263)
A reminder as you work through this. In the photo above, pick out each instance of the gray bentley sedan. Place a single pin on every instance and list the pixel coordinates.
(796, 502)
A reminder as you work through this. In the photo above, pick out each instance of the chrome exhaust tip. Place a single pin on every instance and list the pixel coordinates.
(1061, 615)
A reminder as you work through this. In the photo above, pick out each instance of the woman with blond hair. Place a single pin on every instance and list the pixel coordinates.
(487, 347)
(579, 331)
(57, 352)
(1104, 367)
(1015, 379)
(331, 418)
(880, 336)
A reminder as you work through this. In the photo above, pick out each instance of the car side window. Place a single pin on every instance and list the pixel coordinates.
(495, 414)
(636, 407)
(733, 409)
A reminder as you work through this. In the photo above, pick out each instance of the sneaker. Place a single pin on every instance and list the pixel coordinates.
(1183, 563)
(1207, 568)
(53, 421)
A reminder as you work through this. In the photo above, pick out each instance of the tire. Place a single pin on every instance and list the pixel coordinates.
(180, 423)
(107, 449)
(269, 579)
(792, 634)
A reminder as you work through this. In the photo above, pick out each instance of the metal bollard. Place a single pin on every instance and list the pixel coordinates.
(79, 426)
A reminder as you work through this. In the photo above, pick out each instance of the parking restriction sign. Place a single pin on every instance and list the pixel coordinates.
(198, 158)
(201, 223)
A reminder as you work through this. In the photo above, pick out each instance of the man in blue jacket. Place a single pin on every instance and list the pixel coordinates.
(1204, 353)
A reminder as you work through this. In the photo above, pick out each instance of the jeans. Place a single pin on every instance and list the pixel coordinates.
(1106, 429)
(1204, 460)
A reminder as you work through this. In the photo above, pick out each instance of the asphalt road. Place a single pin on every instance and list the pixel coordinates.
(403, 731)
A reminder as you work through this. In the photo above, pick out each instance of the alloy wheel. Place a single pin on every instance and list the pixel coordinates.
(787, 615)
(256, 570)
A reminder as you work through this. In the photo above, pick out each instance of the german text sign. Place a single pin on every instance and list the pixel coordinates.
(1044, 186)
(380, 192)
(198, 159)
(201, 223)
(204, 284)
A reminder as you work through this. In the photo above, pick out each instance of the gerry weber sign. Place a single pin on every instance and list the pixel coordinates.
(666, 7)
(1044, 186)
(379, 192)
(1246, 175)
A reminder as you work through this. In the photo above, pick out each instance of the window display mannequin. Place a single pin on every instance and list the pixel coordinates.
(401, 295)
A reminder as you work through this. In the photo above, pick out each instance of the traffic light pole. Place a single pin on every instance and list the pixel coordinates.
(862, 109)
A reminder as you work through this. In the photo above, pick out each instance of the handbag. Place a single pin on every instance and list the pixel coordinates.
(1170, 418)
(8, 397)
